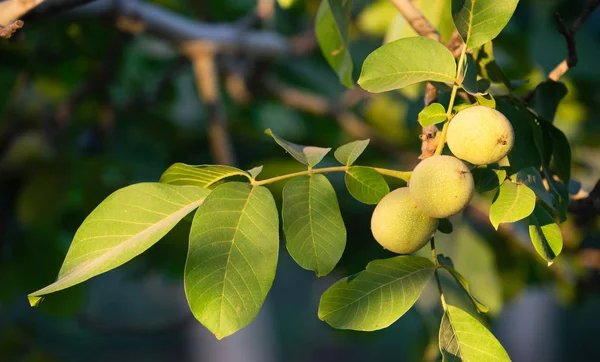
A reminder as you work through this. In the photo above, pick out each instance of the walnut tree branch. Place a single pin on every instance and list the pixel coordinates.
(11, 12)
(416, 19)
(202, 56)
(178, 29)
(569, 35)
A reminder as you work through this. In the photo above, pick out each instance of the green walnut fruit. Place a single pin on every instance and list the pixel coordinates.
(399, 226)
(480, 135)
(441, 186)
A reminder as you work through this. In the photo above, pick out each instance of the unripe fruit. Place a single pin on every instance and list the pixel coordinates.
(399, 226)
(480, 135)
(441, 186)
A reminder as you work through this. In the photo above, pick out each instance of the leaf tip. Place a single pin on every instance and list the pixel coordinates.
(34, 300)
(550, 263)
(269, 132)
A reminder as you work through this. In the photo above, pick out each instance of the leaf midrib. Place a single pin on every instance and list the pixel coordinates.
(237, 228)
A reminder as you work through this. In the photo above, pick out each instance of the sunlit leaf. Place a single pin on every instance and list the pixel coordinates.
(486, 100)
(376, 297)
(349, 153)
(314, 230)
(464, 338)
(407, 61)
(308, 155)
(479, 21)
(232, 256)
(366, 185)
(513, 202)
(255, 171)
(545, 234)
(432, 114)
(201, 176)
(332, 27)
(124, 225)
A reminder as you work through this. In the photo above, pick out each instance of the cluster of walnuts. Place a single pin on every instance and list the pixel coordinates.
(441, 186)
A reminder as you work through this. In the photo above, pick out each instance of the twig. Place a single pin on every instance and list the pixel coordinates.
(202, 56)
(569, 34)
(416, 19)
(8, 30)
(12, 10)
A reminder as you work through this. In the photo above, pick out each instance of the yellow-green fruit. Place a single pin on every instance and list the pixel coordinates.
(441, 186)
(480, 135)
(399, 226)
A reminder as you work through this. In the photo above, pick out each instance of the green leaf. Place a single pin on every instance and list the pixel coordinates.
(124, 225)
(548, 95)
(332, 27)
(525, 153)
(545, 234)
(445, 226)
(487, 68)
(488, 179)
(376, 297)
(486, 100)
(432, 114)
(479, 21)
(366, 185)
(533, 179)
(464, 338)
(349, 153)
(512, 202)
(232, 257)
(255, 171)
(470, 83)
(201, 176)
(407, 61)
(465, 285)
(561, 153)
(312, 223)
(307, 155)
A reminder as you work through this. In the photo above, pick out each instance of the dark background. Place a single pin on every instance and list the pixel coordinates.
(87, 107)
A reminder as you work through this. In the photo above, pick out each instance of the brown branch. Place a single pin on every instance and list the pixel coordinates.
(569, 35)
(202, 56)
(8, 30)
(12, 10)
(416, 19)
